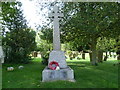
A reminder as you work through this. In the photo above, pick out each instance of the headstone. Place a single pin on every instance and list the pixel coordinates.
(1, 50)
(1, 55)
(65, 72)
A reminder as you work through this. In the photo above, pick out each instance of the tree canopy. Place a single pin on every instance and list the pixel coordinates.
(88, 21)
(18, 38)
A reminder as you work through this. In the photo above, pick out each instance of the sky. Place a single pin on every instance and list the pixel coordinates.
(31, 12)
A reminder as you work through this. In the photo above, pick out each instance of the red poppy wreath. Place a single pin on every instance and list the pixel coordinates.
(53, 65)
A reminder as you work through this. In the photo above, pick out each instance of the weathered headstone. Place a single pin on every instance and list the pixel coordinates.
(1, 50)
(65, 72)
(1, 55)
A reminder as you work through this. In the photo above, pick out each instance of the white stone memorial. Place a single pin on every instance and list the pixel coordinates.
(65, 72)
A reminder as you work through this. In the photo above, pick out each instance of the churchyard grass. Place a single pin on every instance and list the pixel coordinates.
(105, 75)
(0, 76)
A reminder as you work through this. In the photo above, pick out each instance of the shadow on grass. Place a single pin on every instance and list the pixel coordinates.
(102, 76)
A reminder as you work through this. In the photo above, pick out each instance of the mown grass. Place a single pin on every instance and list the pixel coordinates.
(105, 75)
(0, 76)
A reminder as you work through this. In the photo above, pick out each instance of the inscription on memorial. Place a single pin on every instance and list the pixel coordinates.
(51, 75)
(64, 74)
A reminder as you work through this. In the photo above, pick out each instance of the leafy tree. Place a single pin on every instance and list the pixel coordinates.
(44, 49)
(115, 26)
(90, 21)
(0, 25)
(44, 44)
(118, 48)
(104, 45)
(47, 34)
(18, 38)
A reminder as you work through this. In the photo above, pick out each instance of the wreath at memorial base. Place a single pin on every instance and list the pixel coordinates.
(53, 65)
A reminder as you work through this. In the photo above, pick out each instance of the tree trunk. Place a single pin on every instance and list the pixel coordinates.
(35, 54)
(105, 57)
(83, 55)
(118, 57)
(94, 52)
(106, 53)
(100, 56)
(110, 54)
(90, 55)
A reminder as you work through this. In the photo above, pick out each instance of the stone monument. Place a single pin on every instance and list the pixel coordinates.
(65, 72)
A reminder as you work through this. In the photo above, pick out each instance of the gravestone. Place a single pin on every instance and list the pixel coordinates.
(1, 50)
(65, 72)
(1, 55)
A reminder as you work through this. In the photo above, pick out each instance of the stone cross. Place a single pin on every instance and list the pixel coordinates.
(65, 72)
(56, 32)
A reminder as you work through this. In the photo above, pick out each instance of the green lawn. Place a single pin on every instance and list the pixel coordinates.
(105, 75)
(0, 76)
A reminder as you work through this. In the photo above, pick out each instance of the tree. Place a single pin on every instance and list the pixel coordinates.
(18, 38)
(44, 43)
(118, 48)
(115, 27)
(90, 21)
(104, 45)
(47, 34)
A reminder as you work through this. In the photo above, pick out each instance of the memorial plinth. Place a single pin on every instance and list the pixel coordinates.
(65, 72)
(54, 75)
